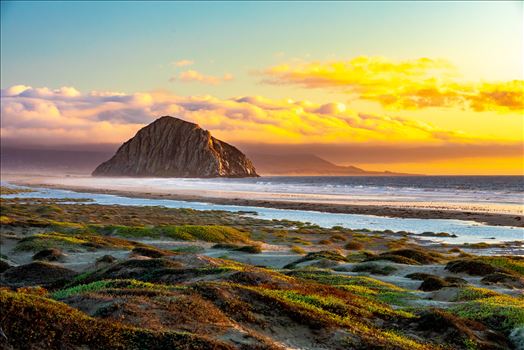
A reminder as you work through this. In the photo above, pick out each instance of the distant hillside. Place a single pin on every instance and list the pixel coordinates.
(305, 164)
(50, 161)
(82, 160)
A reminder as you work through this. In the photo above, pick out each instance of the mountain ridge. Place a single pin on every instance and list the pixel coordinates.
(308, 164)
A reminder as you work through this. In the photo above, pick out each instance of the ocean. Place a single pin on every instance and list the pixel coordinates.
(501, 194)
(496, 189)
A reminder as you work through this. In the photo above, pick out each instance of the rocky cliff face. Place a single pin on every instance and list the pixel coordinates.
(171, 147)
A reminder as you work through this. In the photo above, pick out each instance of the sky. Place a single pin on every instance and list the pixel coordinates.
(427, 87)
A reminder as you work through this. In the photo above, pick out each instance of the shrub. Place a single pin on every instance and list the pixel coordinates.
(251, 249)
(471, 266)
(337, 237)
(225, 246)
(298, 250)
(432, 283)
(325, 241)
(353, 245)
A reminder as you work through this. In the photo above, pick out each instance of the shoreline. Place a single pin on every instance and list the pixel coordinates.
(494, 219)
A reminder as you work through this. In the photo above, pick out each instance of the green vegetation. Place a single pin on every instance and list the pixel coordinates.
(149, 297)
(485, 265)
(513, 264)
(331, 310)
(298, 250)
(41, 241)
(5, 220)
(54, 325)
(353, 245)
(105, 284)
(10, 190)
(211, 233)
(251, 249)
(500, 312)
(409, 256)
(474, 293)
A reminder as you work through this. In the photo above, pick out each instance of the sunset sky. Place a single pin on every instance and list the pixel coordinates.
(433, 87)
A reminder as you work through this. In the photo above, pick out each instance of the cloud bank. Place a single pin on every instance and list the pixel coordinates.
(64, 115)
(409, 84)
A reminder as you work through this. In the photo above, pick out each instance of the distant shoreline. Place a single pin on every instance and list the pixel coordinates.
(495, 219)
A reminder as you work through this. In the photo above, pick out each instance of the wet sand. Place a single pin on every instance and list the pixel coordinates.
(388, 210)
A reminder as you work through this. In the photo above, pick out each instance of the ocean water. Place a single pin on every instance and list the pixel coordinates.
(466, 231)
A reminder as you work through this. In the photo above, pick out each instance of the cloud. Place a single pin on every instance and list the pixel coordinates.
(401, 85)
(65, 115)
(182, 63)
(195, 76)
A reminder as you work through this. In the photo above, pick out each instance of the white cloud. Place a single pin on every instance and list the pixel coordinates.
(67, 116)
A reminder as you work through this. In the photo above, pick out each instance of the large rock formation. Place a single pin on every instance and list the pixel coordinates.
(171, 147)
